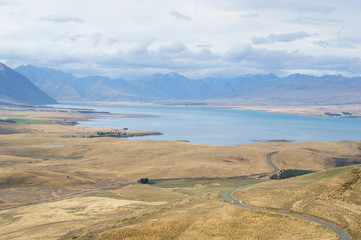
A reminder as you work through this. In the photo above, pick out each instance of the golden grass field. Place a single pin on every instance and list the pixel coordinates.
(48, 162)
(333, 194)
(206, 217)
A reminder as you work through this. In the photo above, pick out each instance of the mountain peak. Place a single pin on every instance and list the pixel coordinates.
(174, 74)
(2, 66)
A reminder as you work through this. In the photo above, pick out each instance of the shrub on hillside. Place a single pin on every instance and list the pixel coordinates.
(287, 173)
(143, 181)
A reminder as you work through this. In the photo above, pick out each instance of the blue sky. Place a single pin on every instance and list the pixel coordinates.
(197, 38)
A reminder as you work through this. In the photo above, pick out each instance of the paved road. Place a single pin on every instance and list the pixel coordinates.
(269, 161)
(226, 196)
(340, 232)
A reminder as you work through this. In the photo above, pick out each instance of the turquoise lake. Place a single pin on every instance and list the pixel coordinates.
(224, 127)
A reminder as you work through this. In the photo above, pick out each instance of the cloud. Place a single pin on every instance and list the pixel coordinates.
(294, 6)
(317, 21)
(61, 19)
(180, 16)
(96, 38)
(249, 15)
(172, 48)
(321, 43)
(4, 2)
(144, 58)
(128, 39)
(276, 61)
(203, 46)
(288, 37)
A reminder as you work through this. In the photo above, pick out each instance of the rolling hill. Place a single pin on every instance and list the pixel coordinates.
(332, 194)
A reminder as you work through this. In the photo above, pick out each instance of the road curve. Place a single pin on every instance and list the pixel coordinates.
(226, 196)
(340, 232)
(269, 161)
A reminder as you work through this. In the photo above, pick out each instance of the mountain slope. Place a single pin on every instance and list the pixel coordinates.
(17, 89)
(64, 86)
(246, 89)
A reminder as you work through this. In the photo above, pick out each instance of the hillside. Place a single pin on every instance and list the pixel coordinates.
(333, 195)
(17, 89)
(296, 89)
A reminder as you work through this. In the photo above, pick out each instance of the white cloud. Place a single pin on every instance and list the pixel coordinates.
(321, 43)
(180, 16)
(249, 15)
(131, 37)
(321, 7)
(61, 19)
(4, 2)
(287, 37)
(317, 21)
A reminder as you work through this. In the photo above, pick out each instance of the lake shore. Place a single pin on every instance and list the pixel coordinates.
(328, 111)
(15, 119)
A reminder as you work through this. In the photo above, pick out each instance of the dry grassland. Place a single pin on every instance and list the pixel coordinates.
(206, 217)
(46, 161)
(314, 155)
(53, 219)
(334, 195)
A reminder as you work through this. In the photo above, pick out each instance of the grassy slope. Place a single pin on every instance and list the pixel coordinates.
(199, 215)
(212, 220)
(333, 194)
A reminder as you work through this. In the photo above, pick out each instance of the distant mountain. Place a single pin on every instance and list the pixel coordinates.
(244, 89)
(171, 86)
(17, 89)
(64, 86)
(53, 82)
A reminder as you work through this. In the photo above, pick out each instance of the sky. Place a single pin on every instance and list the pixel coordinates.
(196, 38)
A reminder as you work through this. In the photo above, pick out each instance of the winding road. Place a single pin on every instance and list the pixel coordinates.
(226, 196)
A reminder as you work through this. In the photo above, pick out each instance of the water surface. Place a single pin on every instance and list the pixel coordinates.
(224, 126)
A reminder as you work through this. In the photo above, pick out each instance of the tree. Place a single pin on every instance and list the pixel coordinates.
(143, 180)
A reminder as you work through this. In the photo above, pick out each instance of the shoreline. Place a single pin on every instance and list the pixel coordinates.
(351, 111)
(39, 118)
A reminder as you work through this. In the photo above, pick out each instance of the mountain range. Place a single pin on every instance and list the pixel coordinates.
(245, 89)
(17, 89)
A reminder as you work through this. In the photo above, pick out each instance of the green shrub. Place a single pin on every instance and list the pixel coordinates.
(288, 173)
(143, 181)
